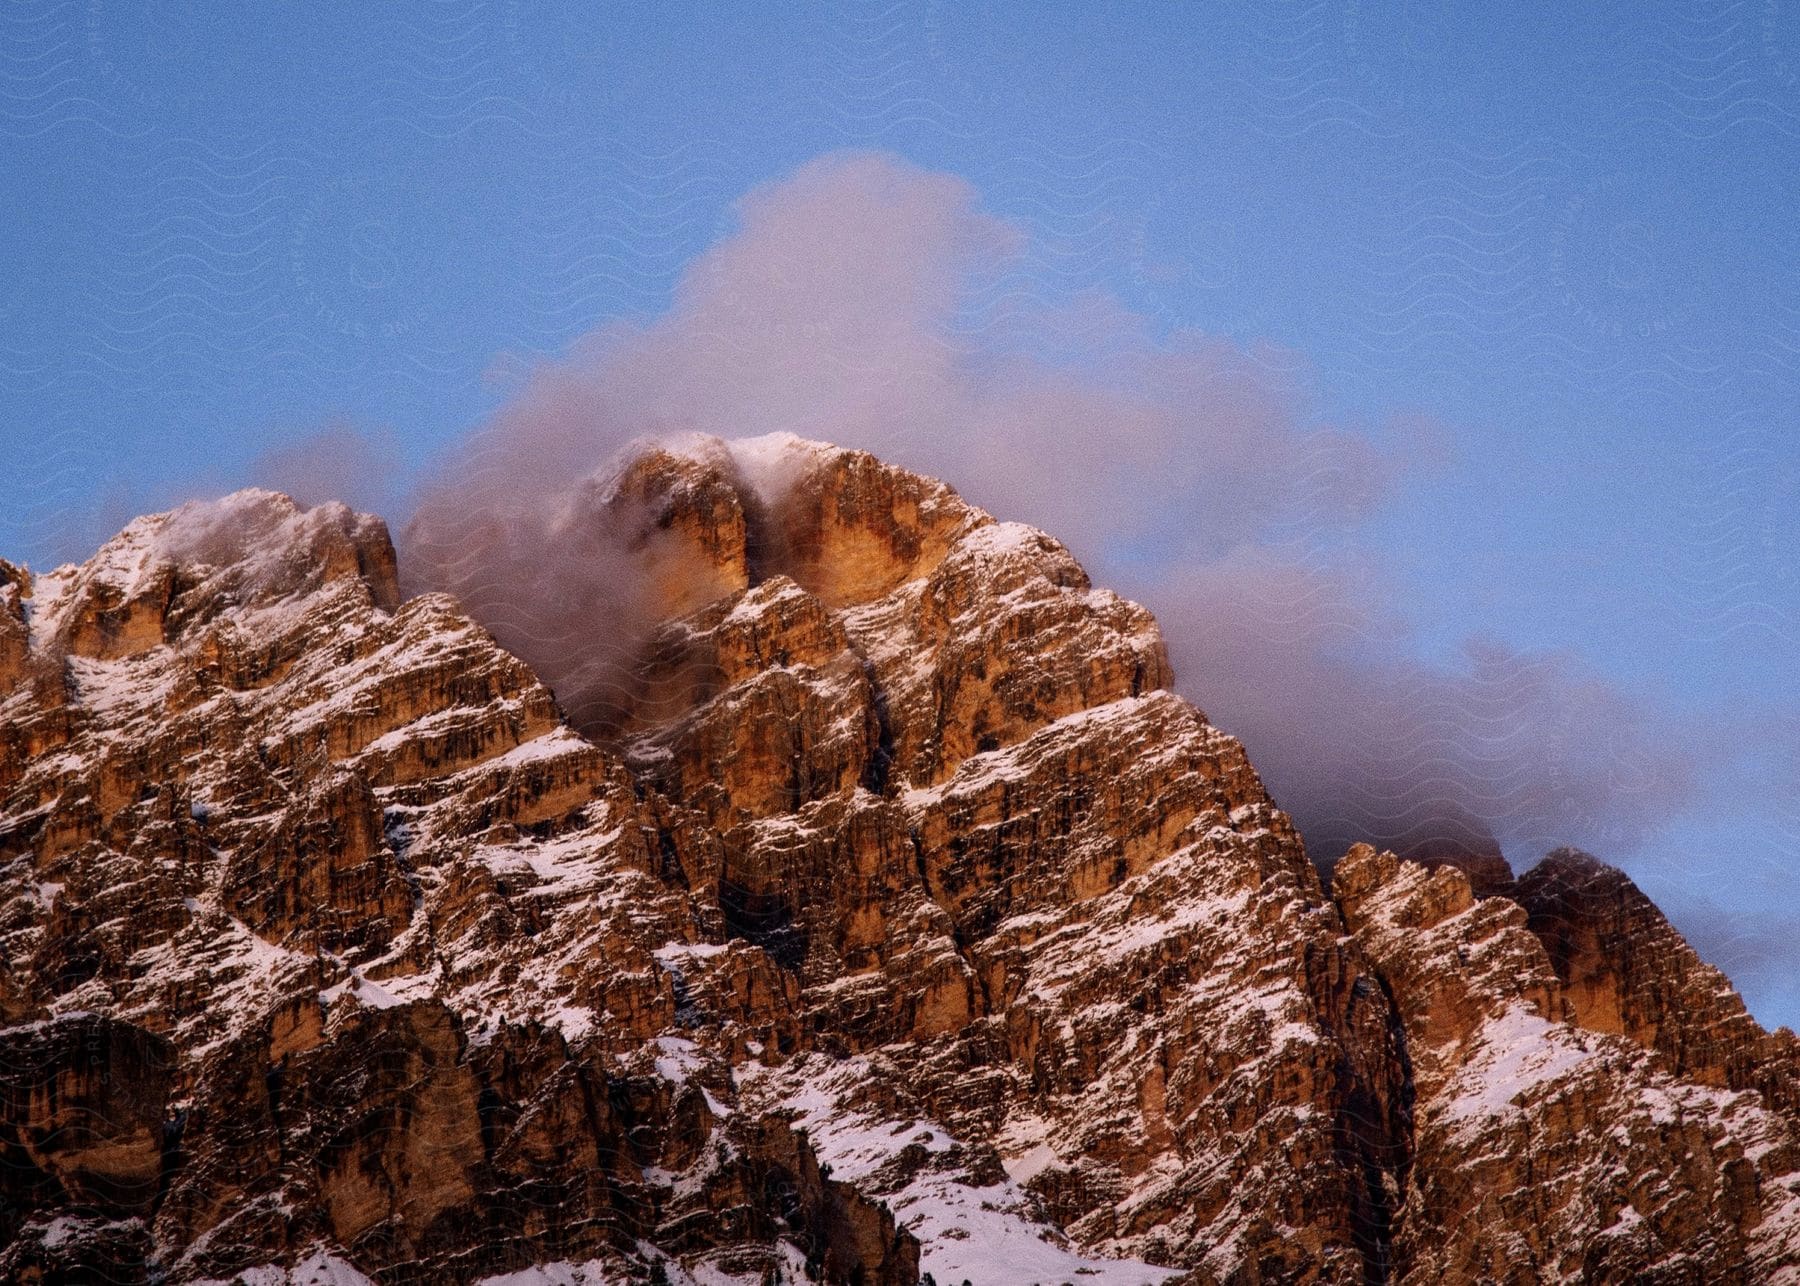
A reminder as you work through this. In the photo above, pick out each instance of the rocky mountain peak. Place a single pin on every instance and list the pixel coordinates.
(887, 915)
(165, 572)
(843, 525)
(1628, 971)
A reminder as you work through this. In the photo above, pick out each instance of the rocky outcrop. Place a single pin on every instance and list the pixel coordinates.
(85, 1104)
(1627, 971)
(886, 915)
(1544, 1150)
(1476, 855)
(15, 639)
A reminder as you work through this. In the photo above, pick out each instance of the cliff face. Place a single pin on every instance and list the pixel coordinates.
(890, 915)
(1544, 1149)
(1627, 971)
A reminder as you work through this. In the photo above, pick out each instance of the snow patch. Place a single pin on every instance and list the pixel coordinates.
(981, 1234)
(368, 994)
(321, 1268)
(1521, 1054)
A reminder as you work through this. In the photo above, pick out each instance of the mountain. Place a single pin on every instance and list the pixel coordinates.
(896, 919)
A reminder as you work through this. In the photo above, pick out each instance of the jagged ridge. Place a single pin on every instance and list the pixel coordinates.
(897, 914)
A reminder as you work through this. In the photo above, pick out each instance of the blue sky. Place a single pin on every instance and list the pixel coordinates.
(1564, 243)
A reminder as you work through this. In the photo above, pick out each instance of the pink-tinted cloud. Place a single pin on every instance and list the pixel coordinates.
(1362, 740)
(1182, 467)
(339, 462)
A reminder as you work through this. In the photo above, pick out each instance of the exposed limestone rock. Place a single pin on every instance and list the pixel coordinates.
(890, 917)
(848, 527)
(1543, 1150)
(1627, 971)
(15, 637)
(1478, 857)
(83, 1104)
(687, 526)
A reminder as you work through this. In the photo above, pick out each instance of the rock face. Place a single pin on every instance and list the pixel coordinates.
(1542, 1149)
(890, 917)
(1627, 971)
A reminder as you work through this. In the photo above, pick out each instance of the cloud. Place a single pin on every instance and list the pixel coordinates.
(876, 305)
(1361, 740)
(339, 462)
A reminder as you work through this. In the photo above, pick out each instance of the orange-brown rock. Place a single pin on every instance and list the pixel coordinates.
(1626, 970)
(850, 528)
(15, 637)
(1478, 857)
(83, 1105)
(887, 915)
(1544, 1150)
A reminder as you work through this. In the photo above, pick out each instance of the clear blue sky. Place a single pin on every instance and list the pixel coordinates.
(1565, 234)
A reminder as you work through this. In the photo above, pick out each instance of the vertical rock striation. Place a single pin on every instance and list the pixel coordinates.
(886, 915)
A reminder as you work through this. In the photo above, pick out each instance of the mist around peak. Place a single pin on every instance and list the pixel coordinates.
(873, 304)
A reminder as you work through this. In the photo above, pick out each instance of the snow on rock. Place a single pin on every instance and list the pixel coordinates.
(903, 911)
(320, 1268)
(968, 1230)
